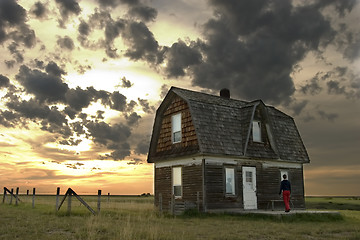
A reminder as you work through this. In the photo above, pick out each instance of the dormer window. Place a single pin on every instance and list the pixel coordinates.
(256, 130)
(176, 128)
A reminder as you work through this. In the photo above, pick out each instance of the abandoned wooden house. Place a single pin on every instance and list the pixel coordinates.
(213, 152)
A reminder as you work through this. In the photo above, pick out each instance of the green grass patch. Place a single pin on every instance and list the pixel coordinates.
(135, 218)
(333, 203)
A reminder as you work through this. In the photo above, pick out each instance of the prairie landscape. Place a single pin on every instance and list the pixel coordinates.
(136, 218)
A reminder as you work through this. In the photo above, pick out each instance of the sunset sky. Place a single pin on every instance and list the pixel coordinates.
(80, 81)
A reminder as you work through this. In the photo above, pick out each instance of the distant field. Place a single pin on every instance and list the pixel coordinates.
(333, 203)
(136, 218)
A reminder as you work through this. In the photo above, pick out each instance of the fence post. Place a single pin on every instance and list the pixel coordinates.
(69, 202)
(108, 200)
(99, 201)
(33, 198)
(57, 198)
(172, 204)
(198, 201)
(16, 196)
(11, 195)
(4, 196)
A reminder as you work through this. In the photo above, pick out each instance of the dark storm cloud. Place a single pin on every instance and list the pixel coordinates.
(68, 7)
(39, 10)
(84, 28)
(54, 69)
(118, 101)
(78, 98)
(144, 13)
(252, 47)
(45, 87)
(180, 57)
(31, 109)
(113, 137)
(13, 48)
(125, 83)
(146, 106)
(115, 3)
(9, 63)
(141, 42)
(13, 24)
(312, 86)
(66, 43)
(132, 119)
(142, 146)
(338, 81)
(9, 119)
(112, 31)
(352, 51)
(328, 116)
(4, 81)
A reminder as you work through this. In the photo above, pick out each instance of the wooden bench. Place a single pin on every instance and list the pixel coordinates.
(272, 202)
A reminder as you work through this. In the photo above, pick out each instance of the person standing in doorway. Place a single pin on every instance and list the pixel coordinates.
(285, 188)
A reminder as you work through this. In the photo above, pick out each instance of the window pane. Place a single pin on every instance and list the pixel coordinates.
(230, 180)
(177, 191)
(256, 129)
(249, 177)
(177, 176)
(176, 128)
(177, 137)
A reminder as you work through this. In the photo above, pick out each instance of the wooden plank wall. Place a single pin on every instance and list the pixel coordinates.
(268, 184)
(163, 186)
(215, 189)
(191, 186)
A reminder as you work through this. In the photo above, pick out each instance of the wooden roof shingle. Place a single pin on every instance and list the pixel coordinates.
(223, 125)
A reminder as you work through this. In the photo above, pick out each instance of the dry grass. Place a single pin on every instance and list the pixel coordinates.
(135, 218)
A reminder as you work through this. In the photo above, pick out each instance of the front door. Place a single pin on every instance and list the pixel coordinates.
(249, 188)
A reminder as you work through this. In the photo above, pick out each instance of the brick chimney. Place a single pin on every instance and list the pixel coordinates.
(225, 93)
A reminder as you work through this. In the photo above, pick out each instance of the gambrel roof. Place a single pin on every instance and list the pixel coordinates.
(223, 127)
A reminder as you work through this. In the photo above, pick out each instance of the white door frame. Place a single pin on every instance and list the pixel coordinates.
(249, 188)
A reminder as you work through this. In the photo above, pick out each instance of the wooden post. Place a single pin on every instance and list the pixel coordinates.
(172, 204)
(27, 192)
(4, 196)
(108, 197)
(57, 198)
(198, 201)
(69, 202)
(99, 201)
(16, 196)
(160, 202)
(11, 197)
(33, 198)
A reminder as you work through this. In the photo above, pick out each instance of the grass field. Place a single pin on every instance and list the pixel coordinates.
(136, 218)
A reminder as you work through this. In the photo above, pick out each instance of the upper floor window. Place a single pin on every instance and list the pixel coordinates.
(256, 130)
(176, 128)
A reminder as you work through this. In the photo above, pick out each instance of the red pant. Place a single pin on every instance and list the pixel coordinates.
(286, 198)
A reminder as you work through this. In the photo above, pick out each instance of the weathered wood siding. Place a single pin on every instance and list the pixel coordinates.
(215, 188)
(163, 187)
(189, 142)
(191, 187)
(268, 186)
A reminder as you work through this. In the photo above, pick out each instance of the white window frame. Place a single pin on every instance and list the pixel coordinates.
(230, 179)
(177, 181)
(256, 131)
(175, 127)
